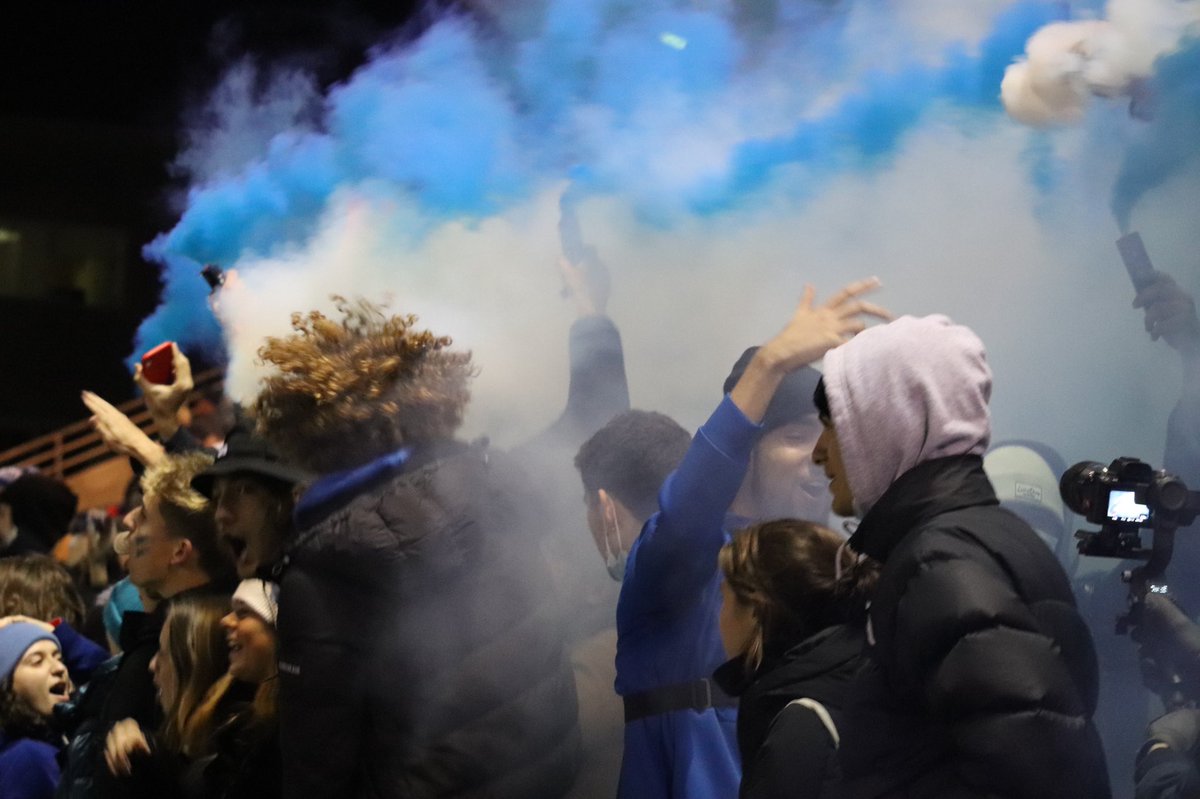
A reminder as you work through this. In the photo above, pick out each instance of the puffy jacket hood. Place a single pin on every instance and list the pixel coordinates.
(904, 393)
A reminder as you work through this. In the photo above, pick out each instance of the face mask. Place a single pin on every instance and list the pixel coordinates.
(615, 561)
(616, 565)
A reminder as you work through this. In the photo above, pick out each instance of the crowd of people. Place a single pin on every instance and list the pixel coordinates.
(332, 594)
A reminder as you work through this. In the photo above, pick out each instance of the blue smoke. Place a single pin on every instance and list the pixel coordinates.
(1172, 135)
(464, 128)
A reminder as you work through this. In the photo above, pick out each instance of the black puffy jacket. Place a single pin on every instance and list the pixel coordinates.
(786, 749)
(982, 678)
(420, 647)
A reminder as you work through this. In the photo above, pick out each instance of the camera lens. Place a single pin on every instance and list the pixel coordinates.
(1077, 484)
(1170, 493)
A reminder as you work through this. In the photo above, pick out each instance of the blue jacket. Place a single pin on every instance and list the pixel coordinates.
(28, 769)
(667, 619)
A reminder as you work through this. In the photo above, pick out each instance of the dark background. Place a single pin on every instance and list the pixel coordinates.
(92, 94)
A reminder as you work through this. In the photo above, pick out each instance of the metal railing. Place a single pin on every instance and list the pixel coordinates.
(77, 446)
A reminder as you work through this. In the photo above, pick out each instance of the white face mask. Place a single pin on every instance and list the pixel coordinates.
(615, 561)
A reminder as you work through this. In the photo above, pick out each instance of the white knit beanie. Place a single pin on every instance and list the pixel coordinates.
(260, 597)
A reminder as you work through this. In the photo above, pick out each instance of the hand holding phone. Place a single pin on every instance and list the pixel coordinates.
(158, 365)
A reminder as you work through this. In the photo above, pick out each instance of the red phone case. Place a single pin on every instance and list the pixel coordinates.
(158, 365)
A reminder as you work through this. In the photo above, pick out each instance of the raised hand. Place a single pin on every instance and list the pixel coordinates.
(814, 330)
(119, 432)
(164, 400)
(1170, 314)
(124, 739)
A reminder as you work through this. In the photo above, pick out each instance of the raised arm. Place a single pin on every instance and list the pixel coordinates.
(164, 401)
(678, 548)
(119, 433)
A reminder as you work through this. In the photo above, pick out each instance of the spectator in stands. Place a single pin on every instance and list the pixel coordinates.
(35, 512)
(252, 491)
(432, 542)
(792, 621)
(33, 679)
(173, 554)
(622, 466)
(34, 585)
(38, 665)
(191, 657)
(982, 676)
(241, 753)
(751, 461)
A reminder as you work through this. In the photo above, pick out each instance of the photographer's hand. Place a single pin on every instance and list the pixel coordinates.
(164, 401)
(1178, 730)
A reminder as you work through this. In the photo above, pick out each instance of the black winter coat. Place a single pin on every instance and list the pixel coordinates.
(982, 677)
(786, 749)
(419, 644)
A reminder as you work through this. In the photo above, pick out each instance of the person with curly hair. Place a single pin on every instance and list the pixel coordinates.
(416, 615)
(792, 621)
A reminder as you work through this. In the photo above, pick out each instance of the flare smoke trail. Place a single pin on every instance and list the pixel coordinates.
(1144, 51)
(717, 160)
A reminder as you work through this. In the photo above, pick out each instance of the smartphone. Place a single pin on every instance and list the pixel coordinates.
(1137, 261)
(158, 365)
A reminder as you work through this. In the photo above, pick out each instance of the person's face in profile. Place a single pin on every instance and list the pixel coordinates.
(828, 455)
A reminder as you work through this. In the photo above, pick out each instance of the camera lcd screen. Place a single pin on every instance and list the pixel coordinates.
(1123, 507)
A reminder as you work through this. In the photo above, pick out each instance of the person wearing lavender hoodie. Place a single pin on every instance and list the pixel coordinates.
(981, 676)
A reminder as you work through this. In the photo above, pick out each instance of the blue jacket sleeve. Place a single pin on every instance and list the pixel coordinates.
(81, 655)
(29, 771)
(675, 557)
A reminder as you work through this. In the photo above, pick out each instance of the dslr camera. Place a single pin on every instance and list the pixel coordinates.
(1123, 498)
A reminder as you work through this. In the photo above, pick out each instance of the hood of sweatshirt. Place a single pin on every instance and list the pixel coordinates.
(905, 393)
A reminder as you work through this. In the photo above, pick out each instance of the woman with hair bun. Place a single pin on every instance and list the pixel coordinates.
(792, 621)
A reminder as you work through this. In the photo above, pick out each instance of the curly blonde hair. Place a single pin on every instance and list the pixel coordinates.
(348, 392)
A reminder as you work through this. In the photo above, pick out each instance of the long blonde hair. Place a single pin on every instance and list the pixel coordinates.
(197, 650)
(264, 712)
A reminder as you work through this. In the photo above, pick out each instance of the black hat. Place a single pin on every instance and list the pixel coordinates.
(245, 453)
(793, 400)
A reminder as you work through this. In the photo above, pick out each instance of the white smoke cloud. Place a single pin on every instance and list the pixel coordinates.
(953, 220)
(1066, 63)
(954, 227)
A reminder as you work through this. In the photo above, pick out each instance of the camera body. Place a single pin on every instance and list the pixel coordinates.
(1124, 497)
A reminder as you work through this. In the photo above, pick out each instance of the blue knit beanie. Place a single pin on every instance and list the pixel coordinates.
(15, 640)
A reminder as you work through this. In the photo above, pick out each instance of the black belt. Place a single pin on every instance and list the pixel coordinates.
(696, 695)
